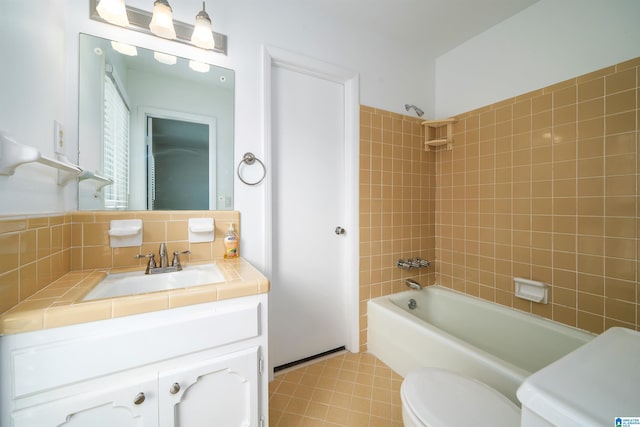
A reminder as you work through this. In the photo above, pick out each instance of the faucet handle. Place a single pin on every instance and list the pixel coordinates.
(422, 262)
(151, 263)
(176, 258)
(151, 256)
(406, 265)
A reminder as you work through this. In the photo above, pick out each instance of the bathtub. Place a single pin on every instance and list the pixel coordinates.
(497, 345)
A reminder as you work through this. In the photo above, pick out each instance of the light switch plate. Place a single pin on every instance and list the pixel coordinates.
(58, 137)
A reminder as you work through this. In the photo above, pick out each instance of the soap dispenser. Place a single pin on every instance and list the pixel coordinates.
(231, 242)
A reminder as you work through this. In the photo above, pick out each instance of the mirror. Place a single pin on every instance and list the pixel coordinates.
(159, 126)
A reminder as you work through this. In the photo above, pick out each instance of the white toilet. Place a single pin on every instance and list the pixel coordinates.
(434, 397)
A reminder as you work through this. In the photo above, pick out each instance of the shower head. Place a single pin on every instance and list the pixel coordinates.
(418, 111)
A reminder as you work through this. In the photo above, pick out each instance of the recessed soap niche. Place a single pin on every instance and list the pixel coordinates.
(531, 290)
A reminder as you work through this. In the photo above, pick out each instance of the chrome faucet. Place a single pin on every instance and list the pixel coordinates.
(413, 284)
(164, 267)
(410, 263)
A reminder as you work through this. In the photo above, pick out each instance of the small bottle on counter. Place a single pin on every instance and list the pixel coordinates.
(231, 242)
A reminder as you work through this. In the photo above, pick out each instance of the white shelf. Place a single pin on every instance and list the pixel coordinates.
(14, 154)
(101, 181)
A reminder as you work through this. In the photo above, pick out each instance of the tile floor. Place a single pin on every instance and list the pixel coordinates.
(346, 390)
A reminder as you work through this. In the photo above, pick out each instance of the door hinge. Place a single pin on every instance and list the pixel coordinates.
(261, 365)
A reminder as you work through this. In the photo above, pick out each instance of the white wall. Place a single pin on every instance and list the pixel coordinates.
(551, 41)
(32, 96)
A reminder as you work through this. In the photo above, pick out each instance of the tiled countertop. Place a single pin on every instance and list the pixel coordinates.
(60, 303)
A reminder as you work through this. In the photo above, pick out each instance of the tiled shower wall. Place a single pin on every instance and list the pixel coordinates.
(397, 205)
(545, 186)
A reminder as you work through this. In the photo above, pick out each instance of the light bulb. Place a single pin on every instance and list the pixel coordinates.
(114, 12)
(162, 20)
(202, 36)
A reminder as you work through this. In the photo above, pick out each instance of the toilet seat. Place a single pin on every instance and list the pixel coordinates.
(440, 398)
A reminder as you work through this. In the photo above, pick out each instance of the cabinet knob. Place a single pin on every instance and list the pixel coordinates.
(175, 387)
(139, 398)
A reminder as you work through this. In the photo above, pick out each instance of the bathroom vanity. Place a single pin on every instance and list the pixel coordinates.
(198, 364)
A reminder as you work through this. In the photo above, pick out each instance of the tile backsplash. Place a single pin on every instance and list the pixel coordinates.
(37, 250)
(34, 251)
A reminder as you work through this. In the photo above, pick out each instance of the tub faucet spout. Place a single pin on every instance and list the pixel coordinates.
(413, 284)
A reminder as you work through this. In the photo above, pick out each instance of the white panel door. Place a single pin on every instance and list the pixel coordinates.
(309, 286)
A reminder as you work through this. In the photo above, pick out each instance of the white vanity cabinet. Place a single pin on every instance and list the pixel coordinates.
(193, 366)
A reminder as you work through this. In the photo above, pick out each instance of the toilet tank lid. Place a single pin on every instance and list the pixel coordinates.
(445, 398)
(591, 386)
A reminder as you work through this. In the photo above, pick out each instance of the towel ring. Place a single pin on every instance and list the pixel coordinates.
(250, 159)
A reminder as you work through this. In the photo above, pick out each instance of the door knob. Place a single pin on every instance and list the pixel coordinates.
(339, 230)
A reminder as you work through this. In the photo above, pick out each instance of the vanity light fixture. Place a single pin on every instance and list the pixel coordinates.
(162, 21)
(202, 35)
(143, 21)
(114, 12)
(165, 58)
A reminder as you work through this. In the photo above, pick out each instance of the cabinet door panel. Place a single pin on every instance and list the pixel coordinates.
(113, 406)
(216, 392)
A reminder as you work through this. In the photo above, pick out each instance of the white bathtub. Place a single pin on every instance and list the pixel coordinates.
(497, 345)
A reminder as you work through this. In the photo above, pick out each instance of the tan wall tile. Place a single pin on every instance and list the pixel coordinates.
(95, 234)
(9, 291)
(620, 81)
(591, 109)
(43, 242)
(10, 254)
(591, 128)
(621, 102)
(620, 310)
(591, 89)
(564, 97)
(44, 272)
(96, 257)
(12, 225)
(590, 322)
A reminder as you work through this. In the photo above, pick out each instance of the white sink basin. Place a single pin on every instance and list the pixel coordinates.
(136, 282)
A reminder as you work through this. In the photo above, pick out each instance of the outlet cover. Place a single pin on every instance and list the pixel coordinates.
(58, 137)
